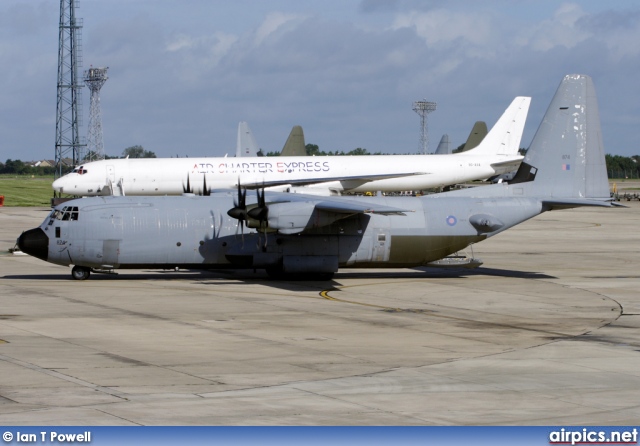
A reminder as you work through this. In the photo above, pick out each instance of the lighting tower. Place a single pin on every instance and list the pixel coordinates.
(94, 78)
(68, 110)
(423, 108)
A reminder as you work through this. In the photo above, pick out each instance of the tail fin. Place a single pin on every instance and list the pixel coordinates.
(444, 147)
(246, 144)
(566, 157)
(295, 143)
(504, 138)
(478, 132)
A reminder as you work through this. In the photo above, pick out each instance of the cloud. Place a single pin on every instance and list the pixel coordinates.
(274, 22)
(560, 30)
(620, 30)
(440, 26)
(348, 79)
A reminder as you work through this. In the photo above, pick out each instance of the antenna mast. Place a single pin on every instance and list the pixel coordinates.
(94, 78)
(68, 109)
(423, 108)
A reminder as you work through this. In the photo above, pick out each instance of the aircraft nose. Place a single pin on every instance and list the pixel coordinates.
(58, 185)
(35, 243)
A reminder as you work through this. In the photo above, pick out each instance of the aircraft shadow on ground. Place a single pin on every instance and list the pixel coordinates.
(234, 277)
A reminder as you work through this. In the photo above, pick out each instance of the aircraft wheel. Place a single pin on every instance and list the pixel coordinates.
(80, 272)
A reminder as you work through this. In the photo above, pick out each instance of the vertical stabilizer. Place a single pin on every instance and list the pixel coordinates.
(444, 148)
(566, 157)
(295, 143)
(504, 138)
(246, 144)
(478, 132)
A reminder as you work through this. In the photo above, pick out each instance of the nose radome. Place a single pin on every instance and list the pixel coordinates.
(35, 243)
(58, 185)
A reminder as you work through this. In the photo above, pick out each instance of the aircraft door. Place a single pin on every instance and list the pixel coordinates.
(381, 247)
(110, 252)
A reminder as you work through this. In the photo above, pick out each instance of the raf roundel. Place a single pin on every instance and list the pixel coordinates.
(451, 220)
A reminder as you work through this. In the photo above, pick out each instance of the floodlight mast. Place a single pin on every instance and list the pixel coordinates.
(423, 108)
(94, 79)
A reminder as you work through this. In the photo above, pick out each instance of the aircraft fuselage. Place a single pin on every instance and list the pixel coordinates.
(169, 176)
(196, 232)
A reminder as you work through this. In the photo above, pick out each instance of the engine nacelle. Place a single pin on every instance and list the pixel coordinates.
(292, 218)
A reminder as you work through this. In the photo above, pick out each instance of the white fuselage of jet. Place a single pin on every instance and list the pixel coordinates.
(323, 175)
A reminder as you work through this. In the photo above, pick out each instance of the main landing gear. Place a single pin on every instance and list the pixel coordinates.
(80, 272)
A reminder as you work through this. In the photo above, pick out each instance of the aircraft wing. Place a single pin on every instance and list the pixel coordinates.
(309, 181)
(354, 207)
(296, 213)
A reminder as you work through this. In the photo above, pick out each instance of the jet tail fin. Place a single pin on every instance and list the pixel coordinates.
(246, 143)
(295, 143)
(444, 147)
(504, 138)
(478, 132)
(566, 157)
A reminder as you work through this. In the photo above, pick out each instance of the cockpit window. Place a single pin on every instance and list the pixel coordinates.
(80, 170)
(65, 214)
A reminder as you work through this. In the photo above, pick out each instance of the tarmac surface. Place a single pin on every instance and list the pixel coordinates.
(544, 333)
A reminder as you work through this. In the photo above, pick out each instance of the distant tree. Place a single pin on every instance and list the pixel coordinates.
(15, 167)
(137, 151)
(359, 151)
(312, 149)
(622, 166)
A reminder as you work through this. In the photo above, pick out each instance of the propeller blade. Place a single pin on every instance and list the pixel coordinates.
(239, 210)
(261, 211)
(187, 189)
(205, 191)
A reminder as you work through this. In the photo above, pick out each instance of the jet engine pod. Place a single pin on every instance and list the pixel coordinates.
(485, 223)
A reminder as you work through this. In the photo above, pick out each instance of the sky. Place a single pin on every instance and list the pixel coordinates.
(182, 74)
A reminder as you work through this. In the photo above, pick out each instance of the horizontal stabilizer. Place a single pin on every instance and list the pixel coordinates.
(507, 166)
(557, 204)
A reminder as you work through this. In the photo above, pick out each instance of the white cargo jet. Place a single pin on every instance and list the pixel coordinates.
(321, 175)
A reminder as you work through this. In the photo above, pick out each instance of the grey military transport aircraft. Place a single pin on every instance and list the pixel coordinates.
(293, 234)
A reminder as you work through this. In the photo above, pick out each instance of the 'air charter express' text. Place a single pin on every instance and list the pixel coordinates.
(267, 167)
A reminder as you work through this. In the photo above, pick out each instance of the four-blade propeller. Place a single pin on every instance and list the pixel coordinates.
(239, 209)
(259, 212)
